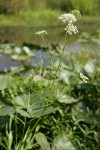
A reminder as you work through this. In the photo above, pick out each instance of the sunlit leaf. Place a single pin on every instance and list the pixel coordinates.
(44, 111)
(64, 76)
(61, 142)
(5, 81)
(6, 110)
(21, 100)
(42, 141)
(19, 57)
(33, 106)
(7, 48)
(23, 113)
(67, 99)
(17, 50)
(89, 67)
(28, 51)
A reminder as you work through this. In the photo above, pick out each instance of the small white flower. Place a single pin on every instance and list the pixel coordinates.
(83, 77)
(76, 13)
(41, 32)
(71, 29)
(68, 18)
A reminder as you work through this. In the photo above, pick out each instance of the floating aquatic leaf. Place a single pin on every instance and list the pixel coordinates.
(7, 48)
(28, 51)
(19, 57)
(17, 50)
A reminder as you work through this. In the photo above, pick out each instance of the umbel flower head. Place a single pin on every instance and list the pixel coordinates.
(83, 77)
(69, 19)
(41, 32)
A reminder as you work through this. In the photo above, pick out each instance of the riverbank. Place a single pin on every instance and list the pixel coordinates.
(41, 18)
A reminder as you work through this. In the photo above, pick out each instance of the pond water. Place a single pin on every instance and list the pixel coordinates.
(20, 35)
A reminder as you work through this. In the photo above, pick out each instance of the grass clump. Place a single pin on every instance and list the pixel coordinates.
(31, 18)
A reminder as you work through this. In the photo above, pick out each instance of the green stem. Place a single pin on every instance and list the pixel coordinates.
(60, 60)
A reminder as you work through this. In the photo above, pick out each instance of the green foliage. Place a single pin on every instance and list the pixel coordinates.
(44, 12)
(89, 7)
(50, 107)
(68, 116)
(64, 5)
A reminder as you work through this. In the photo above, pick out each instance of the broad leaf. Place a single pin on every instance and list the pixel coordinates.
(28, 52)
(6, 110)
(67, 99)
(44, 111)
(22, 101)
(19, 57)
(42, 141)
(5, 81)
(90, 67)
(61, 142)
(32, 105)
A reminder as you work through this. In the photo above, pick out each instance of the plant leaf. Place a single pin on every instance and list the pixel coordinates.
(5, 81)
(61, 142)
(19, 57)
(42, 141)
(44, 111)
(67, 99)
(6, 110)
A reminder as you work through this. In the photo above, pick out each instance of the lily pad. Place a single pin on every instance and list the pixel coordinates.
(19, 57)
(28, 51)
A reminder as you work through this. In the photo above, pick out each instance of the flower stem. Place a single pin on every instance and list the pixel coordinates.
(59, 65)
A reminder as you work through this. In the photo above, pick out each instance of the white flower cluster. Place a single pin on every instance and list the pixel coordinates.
(76, 13)
(41, 32)
(71, 29)
(83, 77)
(69, 19)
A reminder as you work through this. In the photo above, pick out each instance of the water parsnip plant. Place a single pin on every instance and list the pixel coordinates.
(51, 108)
